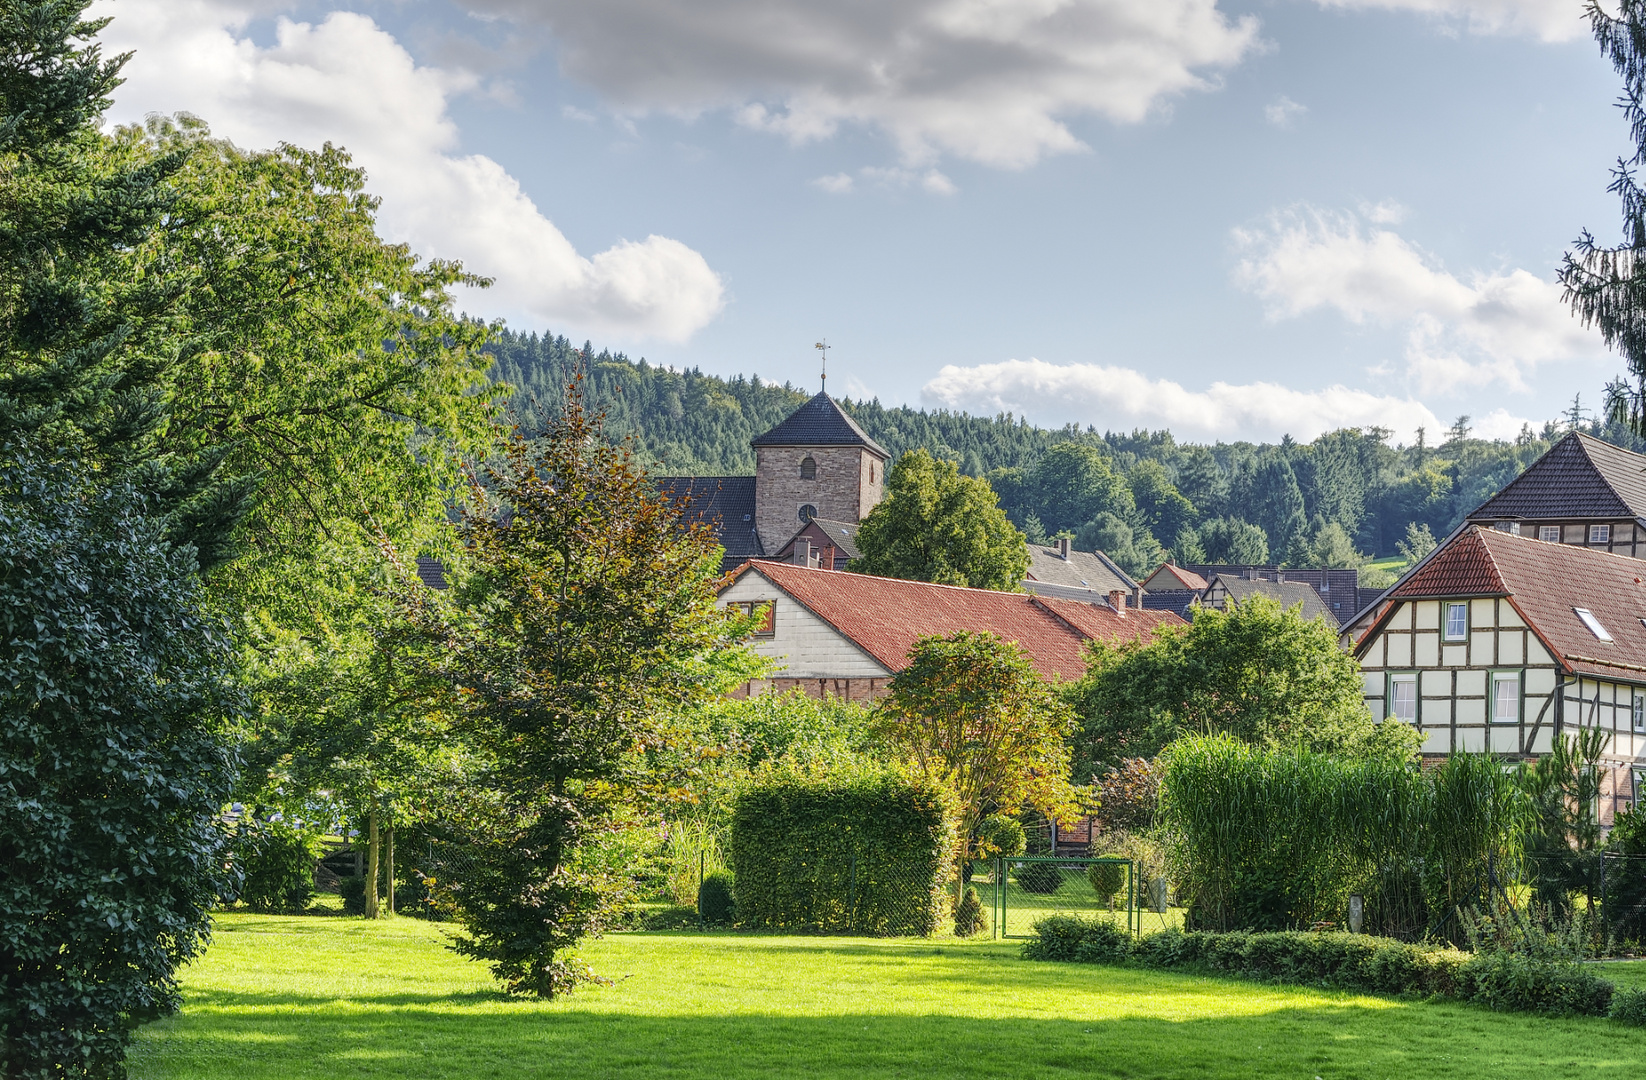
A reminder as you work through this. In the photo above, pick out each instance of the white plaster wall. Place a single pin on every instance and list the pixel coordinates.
(805, 646)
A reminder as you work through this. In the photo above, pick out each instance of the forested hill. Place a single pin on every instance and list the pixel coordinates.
(1333, 501)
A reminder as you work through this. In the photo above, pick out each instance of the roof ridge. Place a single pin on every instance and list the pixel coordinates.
(905, 581)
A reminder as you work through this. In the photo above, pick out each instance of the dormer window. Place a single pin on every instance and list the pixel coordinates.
(1549, 534)
(808, 469)
(1592, 623)
(1600, 534)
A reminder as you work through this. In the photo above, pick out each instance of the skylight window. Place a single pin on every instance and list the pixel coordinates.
(1592, 623)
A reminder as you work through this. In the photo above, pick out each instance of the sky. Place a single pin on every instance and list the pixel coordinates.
(1236, 219)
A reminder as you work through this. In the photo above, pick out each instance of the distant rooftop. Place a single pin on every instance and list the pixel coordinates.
(819, 422)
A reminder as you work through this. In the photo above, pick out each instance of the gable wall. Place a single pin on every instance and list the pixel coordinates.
(804, 645)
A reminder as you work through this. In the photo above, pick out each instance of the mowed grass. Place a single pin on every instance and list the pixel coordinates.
(330, 998)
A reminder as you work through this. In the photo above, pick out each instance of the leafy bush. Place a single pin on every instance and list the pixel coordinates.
(1001, 835)
(676, 917)
(1629, 1006)
(969, 918)
(1107, 878)
(869, 852)
(1495, 978)
(1514, 982)
(1039, 877)
(714, 898)
(277, 861)
(353, 890)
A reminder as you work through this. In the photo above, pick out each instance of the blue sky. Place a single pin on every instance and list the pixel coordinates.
(1232, 219)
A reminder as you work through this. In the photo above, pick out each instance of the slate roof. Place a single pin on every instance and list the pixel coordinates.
(1545, 582)
(432, 572)
(1288, 593)
(1091, 571)
(727, 504)
(1580, 477)
(819, 422)
(1176, 601)
(842, 534)
(1173, 579)
(823, 534)
(885, 616)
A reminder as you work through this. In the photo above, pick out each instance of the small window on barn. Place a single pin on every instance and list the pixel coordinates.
(1600, 534)
(1638, 712)
(1510, 527)
(1592, 623)
(1403, 698)
(1457, 622)
(1549, 534)
(808, 469)
(1505, 697)
(765, 608)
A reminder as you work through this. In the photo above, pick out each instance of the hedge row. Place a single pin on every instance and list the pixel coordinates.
(868, 853)
(1504, 981)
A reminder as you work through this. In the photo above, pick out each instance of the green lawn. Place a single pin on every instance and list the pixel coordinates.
(333, 998)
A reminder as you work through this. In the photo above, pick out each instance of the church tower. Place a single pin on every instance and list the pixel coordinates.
(816, 464)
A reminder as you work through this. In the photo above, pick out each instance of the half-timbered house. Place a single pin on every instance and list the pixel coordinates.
(1503, 643)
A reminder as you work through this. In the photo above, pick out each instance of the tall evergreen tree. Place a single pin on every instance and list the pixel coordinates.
(1277, 503)
(1605, 285)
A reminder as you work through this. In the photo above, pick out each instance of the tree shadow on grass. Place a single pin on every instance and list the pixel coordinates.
(463, 1037)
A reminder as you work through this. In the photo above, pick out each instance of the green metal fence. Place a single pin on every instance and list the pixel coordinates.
(1024, 890)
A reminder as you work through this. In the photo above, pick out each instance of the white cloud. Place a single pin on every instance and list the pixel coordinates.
(1123, 398)
(348, 81)
(1283, 112)
(836, 184)
(988, 80)
(1491, 328)
(1548, 20)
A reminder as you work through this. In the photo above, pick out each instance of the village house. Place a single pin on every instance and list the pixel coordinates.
(1503, 643)
(1333, 595)
(1059, 570)
(845, 635)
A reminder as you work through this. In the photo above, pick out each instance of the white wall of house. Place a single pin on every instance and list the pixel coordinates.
(804, 645)
(1448, 686)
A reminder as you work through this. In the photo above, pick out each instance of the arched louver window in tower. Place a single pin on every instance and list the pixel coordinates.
(808, 469)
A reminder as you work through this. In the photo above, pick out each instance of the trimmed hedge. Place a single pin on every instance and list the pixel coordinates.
(1499, 980)
(869, 854)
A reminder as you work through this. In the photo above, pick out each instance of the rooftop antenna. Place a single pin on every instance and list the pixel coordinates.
(824, 347)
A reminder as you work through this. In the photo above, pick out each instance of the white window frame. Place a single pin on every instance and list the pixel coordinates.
(1446, 609)
(1600, 534)
(1391, 709)
(1587, 618)
(1637, 710)
(1510, 527)
(1497, 678)
(1549, 534)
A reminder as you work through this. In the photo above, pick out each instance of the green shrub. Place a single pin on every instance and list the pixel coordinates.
(869, 852)
(1629, 1006)
(353, 890)
(969, 917)
(277, 862)
(1057, 937)
(1001, 835)
(1039, 877)
(1514, 982)
(714, 899)
(1107, 878)
(674, 917)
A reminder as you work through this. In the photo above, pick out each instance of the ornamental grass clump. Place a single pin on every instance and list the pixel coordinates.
(1265, 839)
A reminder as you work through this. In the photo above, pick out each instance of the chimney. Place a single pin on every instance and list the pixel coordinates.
(1063, 548)
(802, 552)
(1117, 600)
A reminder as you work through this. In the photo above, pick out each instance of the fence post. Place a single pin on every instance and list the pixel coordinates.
(702, 866)
(851, 899)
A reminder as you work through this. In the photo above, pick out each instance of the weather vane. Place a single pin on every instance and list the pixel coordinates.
(823, 346)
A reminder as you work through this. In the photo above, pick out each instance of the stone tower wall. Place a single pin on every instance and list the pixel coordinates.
(842, 491)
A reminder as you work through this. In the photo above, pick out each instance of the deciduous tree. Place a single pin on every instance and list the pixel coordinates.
(939, 526)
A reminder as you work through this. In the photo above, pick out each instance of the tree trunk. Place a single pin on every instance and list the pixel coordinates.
(391, 870)
(374, 847)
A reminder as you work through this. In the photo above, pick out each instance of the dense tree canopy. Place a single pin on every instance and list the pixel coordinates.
(939, 526)
(1257, 672)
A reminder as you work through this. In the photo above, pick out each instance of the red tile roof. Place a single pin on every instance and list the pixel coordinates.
(885, 616)
(1545, 582)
